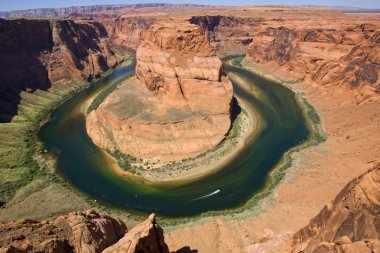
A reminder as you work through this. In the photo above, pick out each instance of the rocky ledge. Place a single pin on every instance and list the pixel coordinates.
(351, 223)
(179, 104)
(85, 232)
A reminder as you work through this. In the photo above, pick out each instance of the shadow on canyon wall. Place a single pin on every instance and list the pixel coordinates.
(43, 54)
(20, 67)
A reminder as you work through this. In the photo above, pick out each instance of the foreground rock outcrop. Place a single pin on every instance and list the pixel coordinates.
(49, 55)
(351, 223)
(79, 232)
(145, 237)
(178, 107)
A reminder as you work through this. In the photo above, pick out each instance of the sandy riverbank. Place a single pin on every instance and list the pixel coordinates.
(317, 174)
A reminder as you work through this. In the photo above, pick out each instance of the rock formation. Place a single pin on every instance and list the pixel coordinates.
(229, 34)
(351, 223)
(347, 57)
(46, 54)
(77, 232)
(127, 30)
(87, 232)
(145, 237)
(178, 107)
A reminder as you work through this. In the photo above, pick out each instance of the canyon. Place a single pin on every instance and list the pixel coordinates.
(329, 57)
(50, 55)
(184, 109)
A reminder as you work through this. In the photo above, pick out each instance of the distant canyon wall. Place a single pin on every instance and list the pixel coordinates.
(349, 57)
(126, 30)
(341, 53)
(48, 54)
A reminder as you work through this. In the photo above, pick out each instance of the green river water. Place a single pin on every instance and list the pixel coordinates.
(86, 167)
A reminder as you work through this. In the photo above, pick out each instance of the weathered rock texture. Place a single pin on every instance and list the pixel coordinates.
(48, 54)
(145, 237)
(127, 30)
(229, 34)
(351, 223)
(342, 57)
(78, 232)
(180, 105)
(333, 50)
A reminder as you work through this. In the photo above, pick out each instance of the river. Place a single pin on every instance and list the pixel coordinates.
(86, 167)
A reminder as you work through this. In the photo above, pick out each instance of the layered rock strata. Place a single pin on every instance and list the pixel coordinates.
(177, 107)
(351, 223)
(346, 57)
(75, 232)
(145, 237)
(49, 54)
(127, 30)
(82, 232)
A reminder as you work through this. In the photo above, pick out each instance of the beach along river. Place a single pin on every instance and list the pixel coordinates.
(85, 166)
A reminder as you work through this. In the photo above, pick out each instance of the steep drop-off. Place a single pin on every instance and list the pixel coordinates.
(48, 54)
(347, 57)
(127, 30)
(178, 107)
(82, 232)
(351, 223)
(328, 52)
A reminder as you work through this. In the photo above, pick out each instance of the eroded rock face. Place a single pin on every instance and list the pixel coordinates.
(351, 223)
(126, 30)
(348, 57)
(77, 232)
(49, 54)
(145, 237)
(82, 232)
(179, 105)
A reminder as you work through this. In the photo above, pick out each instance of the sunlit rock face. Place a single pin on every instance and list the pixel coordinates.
(348, 224)
(178, 106)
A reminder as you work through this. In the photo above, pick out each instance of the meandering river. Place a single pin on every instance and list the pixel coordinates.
(86, 167)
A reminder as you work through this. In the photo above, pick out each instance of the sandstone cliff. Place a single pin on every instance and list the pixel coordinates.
(229, 34)
(145, 237)
(77, 232)
(351, 223)
(328, 51)
(87, 232)
(178, 107)
(46, 54)
(127, 30)
(347, 57)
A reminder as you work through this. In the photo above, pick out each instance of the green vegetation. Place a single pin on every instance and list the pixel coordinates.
(104, 93)
(19, 146)
(124, 161)
(18, 141)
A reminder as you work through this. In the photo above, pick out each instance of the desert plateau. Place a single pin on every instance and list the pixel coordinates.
(190, 127)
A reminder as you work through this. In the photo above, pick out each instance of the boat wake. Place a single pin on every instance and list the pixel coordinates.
(208, 195)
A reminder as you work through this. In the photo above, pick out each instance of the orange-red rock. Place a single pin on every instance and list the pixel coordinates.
(178, 107)
(147, 236)
(349, 224)
(79, 232)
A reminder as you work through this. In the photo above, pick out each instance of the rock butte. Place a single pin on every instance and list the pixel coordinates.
(178, 106)
(336, 54)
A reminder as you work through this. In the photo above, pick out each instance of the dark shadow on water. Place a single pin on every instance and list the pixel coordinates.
(186, 249)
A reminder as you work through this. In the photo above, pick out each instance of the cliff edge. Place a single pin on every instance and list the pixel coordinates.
(179, 104)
